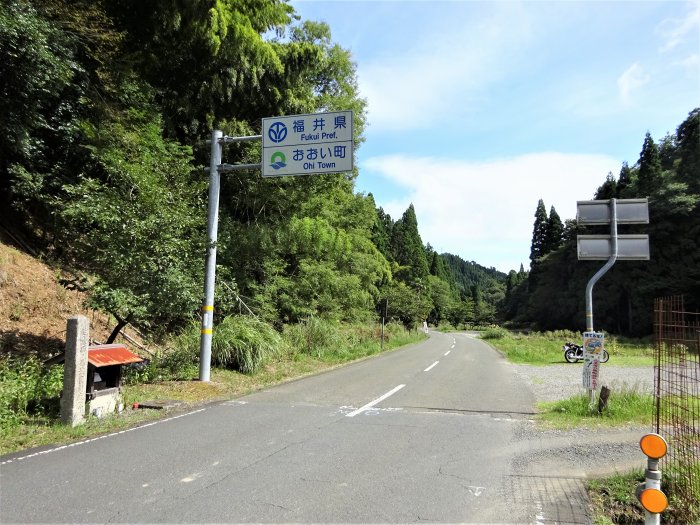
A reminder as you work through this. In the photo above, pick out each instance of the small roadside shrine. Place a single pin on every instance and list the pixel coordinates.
(104, 376)
(92, 383)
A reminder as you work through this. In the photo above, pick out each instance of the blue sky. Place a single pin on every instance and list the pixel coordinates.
(478, 109)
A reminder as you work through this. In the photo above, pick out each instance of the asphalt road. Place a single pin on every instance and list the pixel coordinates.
(426, 433)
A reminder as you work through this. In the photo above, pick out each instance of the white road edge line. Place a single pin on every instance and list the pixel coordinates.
(376, 401)
(78, 443)
(447, 353)
(431, 366)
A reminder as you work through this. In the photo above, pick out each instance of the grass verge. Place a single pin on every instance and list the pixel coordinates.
(625, 407)
(544, 348)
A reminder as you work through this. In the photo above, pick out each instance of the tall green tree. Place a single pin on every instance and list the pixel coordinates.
(649, 175)
(382, 232)
(688, 144)
(608, 190)
(555, 232)
(624, 181)
(208, 60)
(539, 234)
(134, 217)
(407, 248)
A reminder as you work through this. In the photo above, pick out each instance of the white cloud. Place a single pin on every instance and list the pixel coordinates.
(630, 81)
(484, 211)
(674, 31)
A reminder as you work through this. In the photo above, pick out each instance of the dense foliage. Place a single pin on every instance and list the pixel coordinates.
(105, 107)
(104, 113)
(551, 295)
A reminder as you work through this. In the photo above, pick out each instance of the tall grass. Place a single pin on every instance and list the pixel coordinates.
(495, 333)
(332, 342)
(244, 343)
(313, 336)
(534, 348)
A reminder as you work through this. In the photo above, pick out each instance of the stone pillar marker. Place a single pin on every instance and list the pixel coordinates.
(75, 370)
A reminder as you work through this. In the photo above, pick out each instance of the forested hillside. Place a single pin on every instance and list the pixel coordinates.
(105, 110)
(552, 294)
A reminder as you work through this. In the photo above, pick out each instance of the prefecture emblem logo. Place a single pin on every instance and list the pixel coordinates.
(277, 132)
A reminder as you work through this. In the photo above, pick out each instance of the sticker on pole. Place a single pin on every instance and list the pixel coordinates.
(307, 144)
(593, 344)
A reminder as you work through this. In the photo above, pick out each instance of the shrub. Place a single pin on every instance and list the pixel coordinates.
(178, 362)
(27, 387)
(495, 333)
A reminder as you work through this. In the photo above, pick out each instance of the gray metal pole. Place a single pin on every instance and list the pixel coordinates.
(652, 480)
(598, 275)
(210, 267)
(605, 268)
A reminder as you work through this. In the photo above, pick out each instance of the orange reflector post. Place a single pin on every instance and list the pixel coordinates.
(653, 500)
(653, 445)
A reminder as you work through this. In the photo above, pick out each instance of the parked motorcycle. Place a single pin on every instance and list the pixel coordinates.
(574, 353)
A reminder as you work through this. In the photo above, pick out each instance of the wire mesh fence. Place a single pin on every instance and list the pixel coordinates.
(677, 398)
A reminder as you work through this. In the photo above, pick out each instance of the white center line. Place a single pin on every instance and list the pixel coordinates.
(376, 401)
(431, 366)
(448, 352)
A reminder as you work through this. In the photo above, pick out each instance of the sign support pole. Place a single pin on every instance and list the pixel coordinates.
(215, 169)
(605, 268)
(337, 157)
(210, 265)
(598, 275)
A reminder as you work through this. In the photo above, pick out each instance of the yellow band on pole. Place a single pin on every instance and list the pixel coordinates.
(207, 331)
(207, 308)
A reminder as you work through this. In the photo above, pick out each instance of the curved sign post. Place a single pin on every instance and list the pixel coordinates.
(612, 247)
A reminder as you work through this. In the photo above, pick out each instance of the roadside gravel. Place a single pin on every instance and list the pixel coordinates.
(579, 452)
(554, 382)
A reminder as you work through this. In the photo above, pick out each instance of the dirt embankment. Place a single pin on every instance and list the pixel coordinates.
(34, 306)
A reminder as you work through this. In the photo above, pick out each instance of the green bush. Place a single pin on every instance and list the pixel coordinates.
(179, 361)
(244, 343)
(394, 330)
(495, 333)
(27, 387)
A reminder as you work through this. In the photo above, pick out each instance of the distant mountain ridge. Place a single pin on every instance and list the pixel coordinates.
(468, 275)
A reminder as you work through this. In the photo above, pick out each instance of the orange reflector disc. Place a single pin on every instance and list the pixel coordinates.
(653, 445)
(653, 500)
